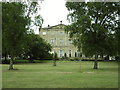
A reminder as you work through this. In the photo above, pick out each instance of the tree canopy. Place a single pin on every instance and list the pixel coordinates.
(13, 28)
(18, 36)
(94, 26)
(37, 48)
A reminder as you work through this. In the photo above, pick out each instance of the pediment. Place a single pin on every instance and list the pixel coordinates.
(58, 26)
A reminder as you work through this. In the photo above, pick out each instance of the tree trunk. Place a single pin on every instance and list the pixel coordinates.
(11, 64)
(102, 57)
(96, 62)
(54, 63)
(5, 56)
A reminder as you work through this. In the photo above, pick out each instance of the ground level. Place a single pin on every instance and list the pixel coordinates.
(67, 74)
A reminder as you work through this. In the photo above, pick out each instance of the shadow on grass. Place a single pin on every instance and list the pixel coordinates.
(108, 69)
(28, 61)
(13, 69)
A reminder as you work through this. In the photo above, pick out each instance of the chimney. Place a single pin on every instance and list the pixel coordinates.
(60, 22)
(48, 25)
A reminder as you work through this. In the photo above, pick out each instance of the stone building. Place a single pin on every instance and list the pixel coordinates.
(59, 40)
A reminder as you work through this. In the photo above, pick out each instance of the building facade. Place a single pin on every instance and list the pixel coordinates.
(59, 40)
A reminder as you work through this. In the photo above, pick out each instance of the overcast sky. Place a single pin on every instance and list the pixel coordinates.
(53, 11)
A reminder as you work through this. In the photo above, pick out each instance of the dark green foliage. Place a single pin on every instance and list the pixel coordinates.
(55, 56)
(16, 26)
(13, 29)
(76, 59)
(37, 48)
(117, 37)
(93, 27)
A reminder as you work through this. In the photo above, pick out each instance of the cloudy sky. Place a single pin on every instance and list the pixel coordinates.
(53, 11)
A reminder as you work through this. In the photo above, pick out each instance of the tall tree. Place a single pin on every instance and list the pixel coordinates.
(17, 23)
(38, 49)
(117, 38)
(93, 26)
(14, 29)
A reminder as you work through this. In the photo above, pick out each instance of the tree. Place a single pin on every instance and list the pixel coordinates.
(14, 30)
(92, 27)
(55, 58)
(17, 24)
(18, 20)
(33, 13)
(117, 38)
(38, 49)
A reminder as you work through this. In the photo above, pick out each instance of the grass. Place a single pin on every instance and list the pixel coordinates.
(67, 74)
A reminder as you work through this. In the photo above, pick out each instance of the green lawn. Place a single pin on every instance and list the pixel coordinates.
(69, 74)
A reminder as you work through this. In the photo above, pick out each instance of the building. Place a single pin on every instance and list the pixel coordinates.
(59, 40)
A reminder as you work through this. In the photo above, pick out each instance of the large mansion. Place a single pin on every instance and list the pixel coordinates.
(59, 40)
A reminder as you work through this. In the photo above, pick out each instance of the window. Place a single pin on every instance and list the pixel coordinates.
(70, 53)
(78, 53)
(65, 55)
(61, 32)
(60, 52)
(61, 41)
(52, 41)
(75, 54)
